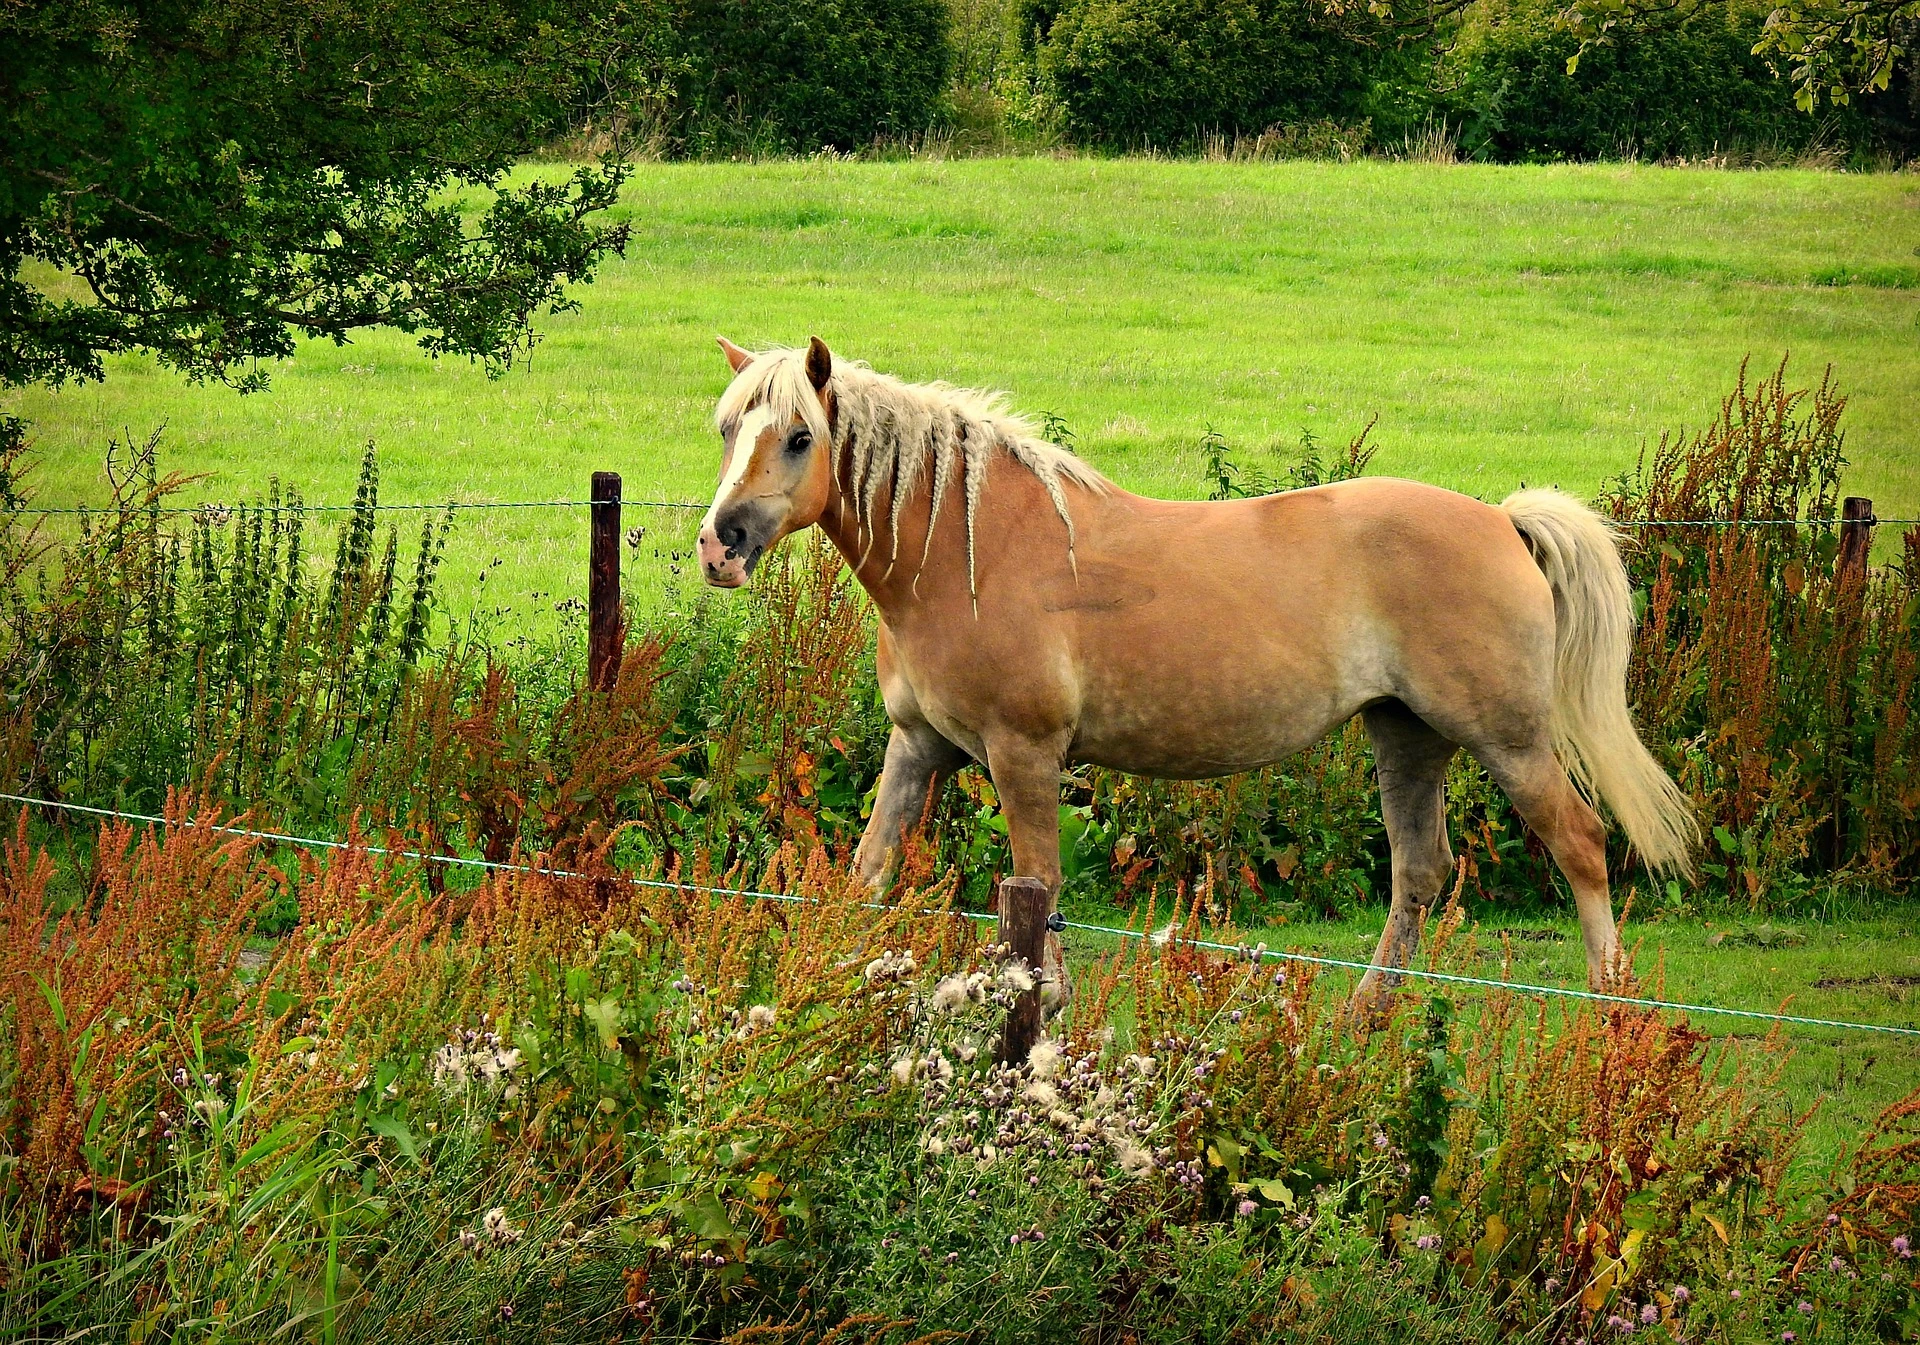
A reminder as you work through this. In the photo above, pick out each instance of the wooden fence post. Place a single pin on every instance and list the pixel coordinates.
(1850, 591)
(604, 620)
(1856, 539)
(1024, 904)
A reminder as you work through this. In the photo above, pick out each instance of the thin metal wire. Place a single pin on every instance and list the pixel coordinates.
(1254, 953)
(456, 861)
(257, 506)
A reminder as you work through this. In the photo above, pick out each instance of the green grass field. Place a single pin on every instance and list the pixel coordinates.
(1506, 325)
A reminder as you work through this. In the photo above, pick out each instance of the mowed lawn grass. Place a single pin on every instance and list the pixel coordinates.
(1506, 325)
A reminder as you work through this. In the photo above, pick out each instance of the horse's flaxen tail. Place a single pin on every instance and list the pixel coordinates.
(1593, 733)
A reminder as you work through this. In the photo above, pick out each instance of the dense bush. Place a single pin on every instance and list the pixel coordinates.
(837, 73)
(1165, 75)
(1162, 73)
(1682, 86)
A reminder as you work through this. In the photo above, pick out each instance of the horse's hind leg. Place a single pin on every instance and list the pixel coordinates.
(1410, 758)
(1553, 809)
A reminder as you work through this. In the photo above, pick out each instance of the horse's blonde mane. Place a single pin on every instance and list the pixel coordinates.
(888, 435)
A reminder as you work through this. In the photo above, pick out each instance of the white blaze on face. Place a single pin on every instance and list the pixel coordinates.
(746, 439)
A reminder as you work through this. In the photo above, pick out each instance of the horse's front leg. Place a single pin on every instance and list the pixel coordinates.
(918, 762)
(1026, 776)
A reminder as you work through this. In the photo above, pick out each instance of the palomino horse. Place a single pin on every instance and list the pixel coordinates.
(1033, 614)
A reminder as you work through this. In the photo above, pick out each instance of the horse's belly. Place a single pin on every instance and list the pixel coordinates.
(1195, 736)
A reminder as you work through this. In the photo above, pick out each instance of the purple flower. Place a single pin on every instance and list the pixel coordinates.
(1620, 1324)
(1832, 1219)
(1804, 1306)
(1428, 1242)
(1650, 1314)
(1681, 1293)
(1902, 1248)
(506, 1311)
(1788, 1337)
(1836, 1264)
(1245, 1209)
(1423, 1202)
(1552, 1286)
(1380, 1140)
(1735, 1293)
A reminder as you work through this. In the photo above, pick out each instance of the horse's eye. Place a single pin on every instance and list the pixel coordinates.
(799, 442)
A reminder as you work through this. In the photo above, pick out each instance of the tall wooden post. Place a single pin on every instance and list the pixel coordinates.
(604, 619)
(1024, 906)
(1850, 591)
(1856, 538)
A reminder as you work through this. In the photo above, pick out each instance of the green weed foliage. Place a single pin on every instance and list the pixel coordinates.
(575, 1108)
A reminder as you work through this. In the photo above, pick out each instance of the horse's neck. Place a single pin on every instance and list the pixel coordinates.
(870, 553)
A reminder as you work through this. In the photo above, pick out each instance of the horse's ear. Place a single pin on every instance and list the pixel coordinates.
(736, 357)
(819, 363)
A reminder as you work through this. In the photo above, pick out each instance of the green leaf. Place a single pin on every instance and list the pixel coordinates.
(1226, 1153)
(604, 1014)
(707, 1217)
(393, 1128)
(1642, 1210)
(268, 1144)
(1276, 1191)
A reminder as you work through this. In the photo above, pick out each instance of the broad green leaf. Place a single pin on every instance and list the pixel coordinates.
(393, 1128)
(604, 1014)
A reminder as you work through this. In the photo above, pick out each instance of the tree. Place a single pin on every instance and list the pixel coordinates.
(1830, 49)
(209, 179)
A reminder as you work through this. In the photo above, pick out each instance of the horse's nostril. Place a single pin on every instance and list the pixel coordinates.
(733, 537)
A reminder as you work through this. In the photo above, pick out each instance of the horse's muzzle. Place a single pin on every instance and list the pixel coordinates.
(729, 549)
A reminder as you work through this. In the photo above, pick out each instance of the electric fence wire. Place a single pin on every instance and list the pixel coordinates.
(251, 507)
(224, 511)
(1255, 953)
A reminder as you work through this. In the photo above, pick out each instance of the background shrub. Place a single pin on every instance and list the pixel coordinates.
(1684, 86)
(1162, 73)
(837, 73)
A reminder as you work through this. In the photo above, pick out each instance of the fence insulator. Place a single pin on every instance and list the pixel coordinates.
(605, 622)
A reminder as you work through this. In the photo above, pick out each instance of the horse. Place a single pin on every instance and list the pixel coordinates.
(1034, 614)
